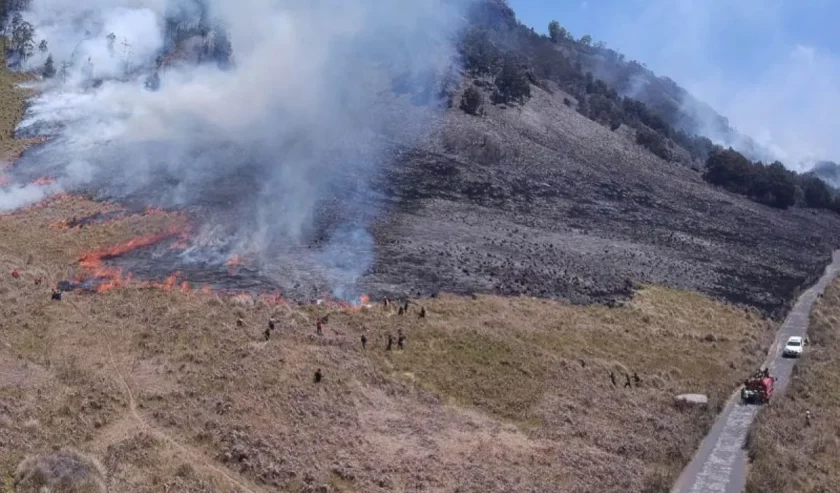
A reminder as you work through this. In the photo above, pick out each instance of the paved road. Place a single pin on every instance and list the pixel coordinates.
(720, 465)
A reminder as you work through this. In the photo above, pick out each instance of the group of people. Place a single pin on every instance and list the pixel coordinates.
(636, 379)
(403, 309)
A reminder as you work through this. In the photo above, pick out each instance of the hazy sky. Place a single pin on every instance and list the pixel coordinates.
(771, 66)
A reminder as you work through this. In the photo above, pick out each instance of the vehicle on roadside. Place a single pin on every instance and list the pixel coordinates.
(793, 347)
(758, 389)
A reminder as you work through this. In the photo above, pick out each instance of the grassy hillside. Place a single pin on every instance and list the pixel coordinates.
(787, 454)
(174, 390)
(143, 390)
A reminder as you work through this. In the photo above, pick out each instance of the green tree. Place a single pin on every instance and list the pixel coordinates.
(480, 55)
(22, 34)
(817, 193)
(49, 68)
(512, 83)
(729, 169)
(557, 32)
(776, 187)
(111, 38)
(42, 47)
(586, 40)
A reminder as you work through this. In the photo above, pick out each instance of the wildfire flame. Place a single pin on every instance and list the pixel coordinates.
(107, 278)
(44, 180)
(152, 211)
(112, 277)
(233, 262)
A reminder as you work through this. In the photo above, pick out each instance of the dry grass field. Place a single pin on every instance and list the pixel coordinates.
(787, 454)
(141, 389)
(175, 391)
(13, 99)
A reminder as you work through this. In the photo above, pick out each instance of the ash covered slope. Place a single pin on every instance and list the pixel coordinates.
(540, 200)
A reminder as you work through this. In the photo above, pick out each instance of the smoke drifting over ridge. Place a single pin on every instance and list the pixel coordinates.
(769, 66)
(275, 143)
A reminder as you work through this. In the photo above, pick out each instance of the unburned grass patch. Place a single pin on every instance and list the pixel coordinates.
(501, 354)
(13, 99)
(473, 368)
(786, 453)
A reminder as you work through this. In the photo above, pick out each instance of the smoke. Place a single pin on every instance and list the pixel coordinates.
(22, 195)
(275, 139)
(767, 65)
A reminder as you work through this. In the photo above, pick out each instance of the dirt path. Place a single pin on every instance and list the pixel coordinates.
(720, 465)
(195, 458)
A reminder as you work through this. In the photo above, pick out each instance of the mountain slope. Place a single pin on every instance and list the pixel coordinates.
(539, 200)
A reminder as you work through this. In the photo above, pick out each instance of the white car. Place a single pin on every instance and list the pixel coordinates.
(793, 347)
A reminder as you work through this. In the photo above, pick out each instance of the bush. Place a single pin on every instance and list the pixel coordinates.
(67, 471)
(654, 143)
(472, 101)
(513, 82)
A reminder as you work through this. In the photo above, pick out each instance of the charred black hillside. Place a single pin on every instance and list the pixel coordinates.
(541, 198)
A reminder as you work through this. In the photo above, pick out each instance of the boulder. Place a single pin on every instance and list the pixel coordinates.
(698, 399)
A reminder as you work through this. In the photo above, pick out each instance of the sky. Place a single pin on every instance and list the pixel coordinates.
(771, 66)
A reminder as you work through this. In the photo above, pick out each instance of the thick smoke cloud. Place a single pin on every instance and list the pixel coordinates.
(295, 122)
(766, 65)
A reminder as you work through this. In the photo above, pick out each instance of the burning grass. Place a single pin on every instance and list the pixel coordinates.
(787, 454)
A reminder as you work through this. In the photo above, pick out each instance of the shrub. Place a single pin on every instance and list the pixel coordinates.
(513, 82)
(67, 471)
(653, 142)
(472, 101)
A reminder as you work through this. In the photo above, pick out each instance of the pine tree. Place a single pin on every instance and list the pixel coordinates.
(49, 68)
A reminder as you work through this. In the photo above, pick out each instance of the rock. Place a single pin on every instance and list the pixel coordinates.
(698, 399)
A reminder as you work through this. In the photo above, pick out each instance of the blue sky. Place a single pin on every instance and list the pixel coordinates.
(772, 67)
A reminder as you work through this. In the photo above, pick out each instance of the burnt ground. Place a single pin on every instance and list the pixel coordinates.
(534, 200)
(541, 201)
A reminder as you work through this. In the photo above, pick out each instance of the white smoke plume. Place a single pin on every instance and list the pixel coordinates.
(770, 66)
(299, 115)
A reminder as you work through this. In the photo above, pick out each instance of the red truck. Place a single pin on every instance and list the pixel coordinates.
(758, 389)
